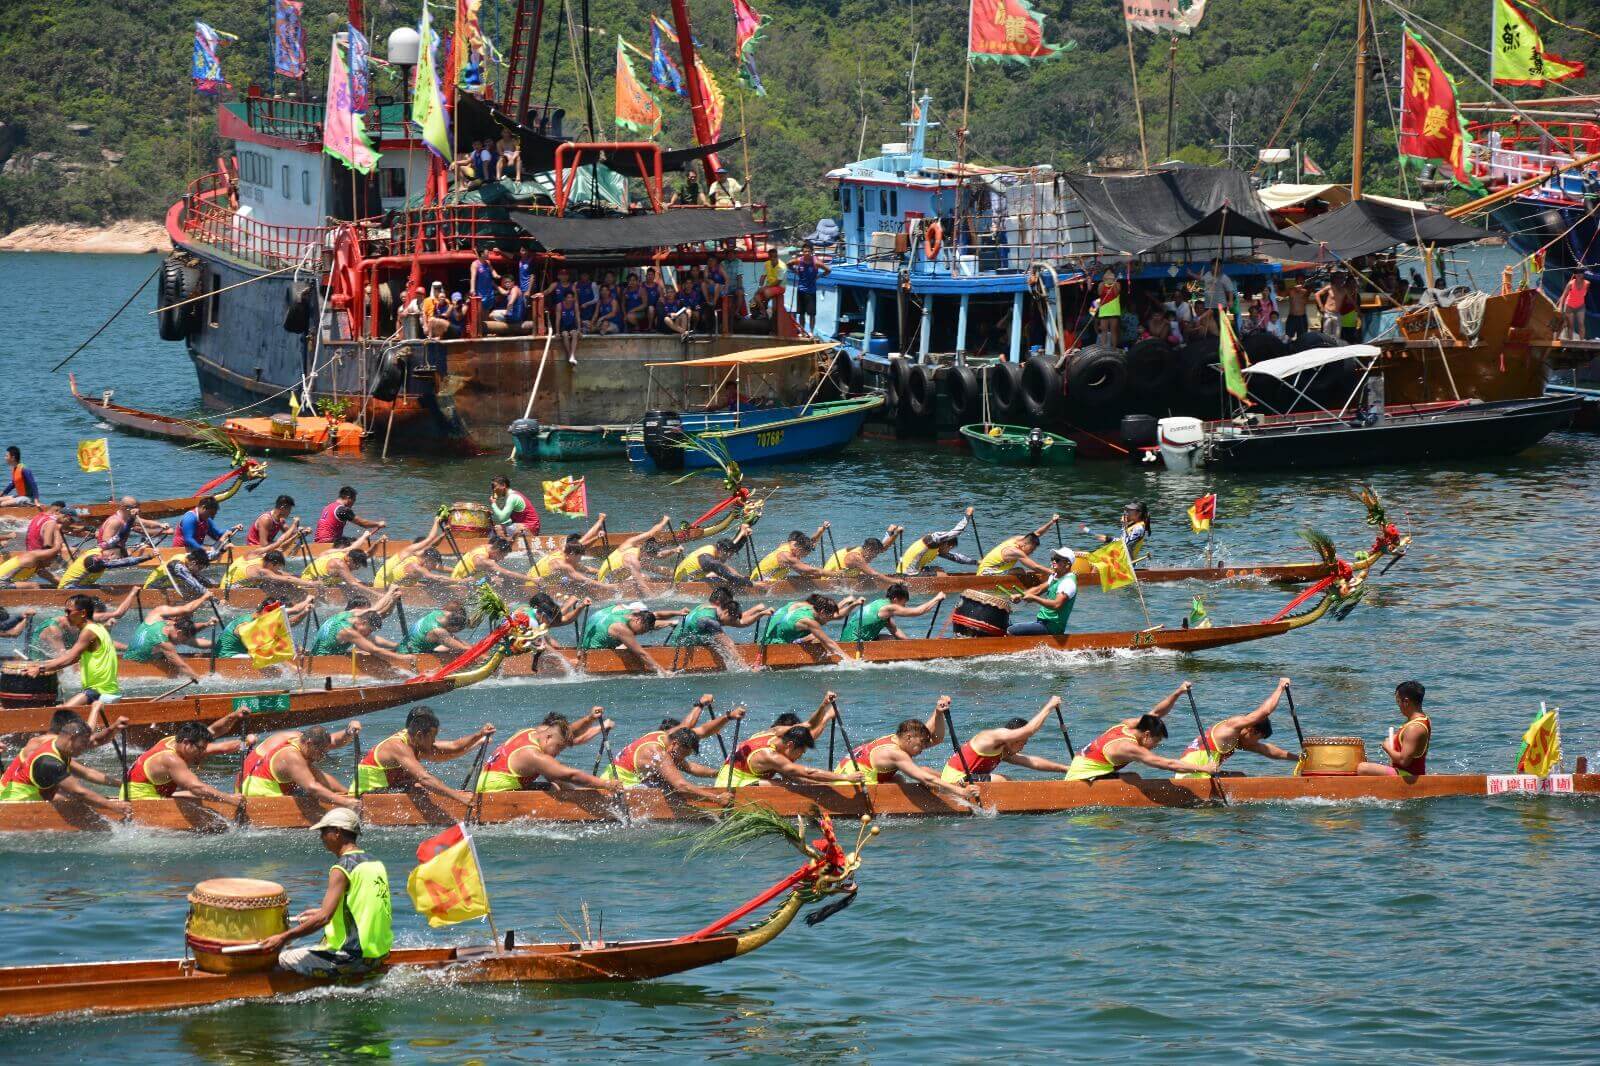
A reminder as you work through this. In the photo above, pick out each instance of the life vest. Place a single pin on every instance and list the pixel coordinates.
(275, 528)
(919, 555)
(625, 767)
(18, 784)
(257, 776)
(330, 527)
(971, 762)
(373, 776)
(860, 762)
(141, 786)
(363, 923)
(995, 562)
(497, 774)
(1092, 761)
(34, 540)
(1211, 756)
(1419, 765)
(736, 772)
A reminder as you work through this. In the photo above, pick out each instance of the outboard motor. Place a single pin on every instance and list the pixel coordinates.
(663, 439)
(1035, 445)
(525, 434)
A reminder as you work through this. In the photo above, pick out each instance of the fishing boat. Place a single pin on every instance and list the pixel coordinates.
(169, 984)
(1588, 417)
(899, 800)
(279, 435)
(1001, 445)
(732, 419)
(247, 474)
(548, 444)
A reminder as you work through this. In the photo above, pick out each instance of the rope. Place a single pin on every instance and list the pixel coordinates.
(1298, 93)
(226, 288)
(113, 318)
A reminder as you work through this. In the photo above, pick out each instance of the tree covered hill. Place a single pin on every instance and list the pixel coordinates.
(100, 121)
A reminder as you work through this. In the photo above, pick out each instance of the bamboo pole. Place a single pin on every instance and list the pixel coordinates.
(1138, 106)
(1359, 137)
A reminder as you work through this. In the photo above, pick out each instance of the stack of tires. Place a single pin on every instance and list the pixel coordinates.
(179, 282)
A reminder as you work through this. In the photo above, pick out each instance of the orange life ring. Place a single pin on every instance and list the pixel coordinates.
(932, 239)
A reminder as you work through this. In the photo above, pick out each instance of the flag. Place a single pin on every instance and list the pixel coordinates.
(344, 135)
(636, 108)
(266, 637)
(206, 65)
(1198, 618)
(1112, 563)
(1202, 511)
(288, 39)
(467, 46)
(1228, 354)
(1007, 31)
(568, 496)
(1310, 167)
(663, 71)
(94, 455)
(447, 887)
(747, 24)
(427, 100)
(1164, 16)
(360, 70)
(716, 104)
(1519, 55)
(1541, 744)
(1430, 123)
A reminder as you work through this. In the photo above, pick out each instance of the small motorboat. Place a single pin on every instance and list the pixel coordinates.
(1001, 445)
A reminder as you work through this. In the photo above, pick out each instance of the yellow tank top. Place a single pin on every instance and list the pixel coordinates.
(916, 557)
(236, 573)
(318, 570)
(772, 567)
(693, 565)
(995, 562)
(836, 561)
(78, 571)
(467, 565)
(13, 570)
(544, 569)
(616, 567)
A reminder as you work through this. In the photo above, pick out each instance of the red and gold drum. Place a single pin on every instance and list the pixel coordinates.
(1332, 756)
(981, 614)
(230, 911)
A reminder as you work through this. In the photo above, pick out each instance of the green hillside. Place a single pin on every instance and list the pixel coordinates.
(100, 122)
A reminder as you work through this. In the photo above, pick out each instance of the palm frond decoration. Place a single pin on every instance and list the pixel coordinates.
(1376, 516)
(487, 604)
(1321, 543)
(717, 452)
(213, 439)
(744, 826)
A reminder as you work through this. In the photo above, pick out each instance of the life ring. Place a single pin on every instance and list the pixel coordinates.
(932, 239)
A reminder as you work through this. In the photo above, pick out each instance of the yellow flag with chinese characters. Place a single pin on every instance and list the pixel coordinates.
(266, 637)
(1113, 564)
(94, 456)
(568, 495)
(1541, 745)
(448, 885)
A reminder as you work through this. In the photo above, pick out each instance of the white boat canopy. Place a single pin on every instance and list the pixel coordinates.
(1287, 366)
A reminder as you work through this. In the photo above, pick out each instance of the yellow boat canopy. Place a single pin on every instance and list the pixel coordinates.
(753, 357)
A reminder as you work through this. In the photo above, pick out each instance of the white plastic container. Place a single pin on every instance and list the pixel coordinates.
(1179, 440)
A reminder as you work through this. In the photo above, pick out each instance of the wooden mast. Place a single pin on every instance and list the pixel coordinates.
(1358, 151)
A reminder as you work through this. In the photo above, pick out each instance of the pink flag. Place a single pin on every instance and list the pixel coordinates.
(344, 136)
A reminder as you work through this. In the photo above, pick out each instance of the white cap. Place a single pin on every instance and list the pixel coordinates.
(340, 818)
(1065, 555)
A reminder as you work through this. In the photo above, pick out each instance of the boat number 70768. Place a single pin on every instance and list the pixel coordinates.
(769, 438)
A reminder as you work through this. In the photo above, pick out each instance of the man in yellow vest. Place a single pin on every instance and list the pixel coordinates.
(1015, 554)
(355, 910)
(922, 554)
(1241, 731)
(94, 649)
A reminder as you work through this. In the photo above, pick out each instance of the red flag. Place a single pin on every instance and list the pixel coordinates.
(1007, 31)
(1203, 511)
(1430, 124)
(1310, 167)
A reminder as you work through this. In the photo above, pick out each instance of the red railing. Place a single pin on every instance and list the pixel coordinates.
(1512, 151)
(210, 216)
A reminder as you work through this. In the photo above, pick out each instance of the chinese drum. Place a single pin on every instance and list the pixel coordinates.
(282, 426)
(17, 689)
(1332, 756)
(981, 614)
(469, 519)
(231, 911)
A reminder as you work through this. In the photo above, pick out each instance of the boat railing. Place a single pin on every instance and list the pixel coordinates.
(1515, 151)
(210, 216)
(297, 120)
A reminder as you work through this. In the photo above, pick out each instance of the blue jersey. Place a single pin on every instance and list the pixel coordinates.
(524, 276)
(193, 531)
(804, 272)
(632, 298)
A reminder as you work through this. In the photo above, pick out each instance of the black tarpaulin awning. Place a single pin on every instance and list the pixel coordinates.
(477, 119)
(680, 225)
(1131, 215)
(1363, 227)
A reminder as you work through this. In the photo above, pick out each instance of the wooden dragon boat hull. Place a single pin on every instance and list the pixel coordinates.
(150, 424)
(85, 514)
(581, 805)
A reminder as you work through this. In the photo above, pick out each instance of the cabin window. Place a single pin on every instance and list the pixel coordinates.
(214, 304)
(883, 202)
(305, 185)
(894, 203)
(844, 197)
(283, 181)
(391, 182)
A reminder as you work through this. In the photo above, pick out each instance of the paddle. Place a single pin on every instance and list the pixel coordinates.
(722, 743)
(450, 534)
(977, 539)
(1061, 720)
(833, 727)
(475, 805)
(400, 600)
(604, 752)
(955, 745)
(844, 734)
(355, 765)
(737, 723)
(1295, 718)
(1205, 742)
(120, 746)
(934, 620)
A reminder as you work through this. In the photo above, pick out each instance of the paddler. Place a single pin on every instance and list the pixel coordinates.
(988, 748)
(709, 562)
(186, 576)
(1247, 731)
(331, 523)
(92, 564)
(356, 910)
(46, 769)
(530, 754)
(706, 625)
(550, 614)
(565, 567)
(198, 525)
(512, 514)
(266, 571)
(877, 617)
(30, 566)
(1135, 528)
(352, 631)
(418, 561)
(163, 629)
(435, 630)
(1133, 740)
(767, 757)
(54, 632)
(93, 648)
(1055, 597)
(338, 566)
(113, 535)
(637, 558)
(802, 622)
(285, 764)
(486, 560)
(230, 645)
(664, 758)
(784, 561)
(857, 561)
(1015, 554)
(621, 625)
(921, 554)
(1407, 747)
(882, 761)
(272, 526)
(395, 763)
(167, 768)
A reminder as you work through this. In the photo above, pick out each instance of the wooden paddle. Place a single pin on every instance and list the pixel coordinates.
(355, 765)
(1061, 719)
(603, 752)
(1295, 718)
(955, 745)
(975, 538)
(1205, 743)
(850, 749)
(120, 746)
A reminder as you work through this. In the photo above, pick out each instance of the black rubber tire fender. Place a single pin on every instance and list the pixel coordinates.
(966, 395)
(297, 307)
(1097, 385)
(1152, 366)
(171, 321)
(1005, 393)
(922, 392)
(1041, 391)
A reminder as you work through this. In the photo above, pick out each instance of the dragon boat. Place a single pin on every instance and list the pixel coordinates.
(246, 474)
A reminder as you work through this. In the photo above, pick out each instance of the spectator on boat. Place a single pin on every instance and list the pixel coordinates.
(654, 296)
(485, 163)
(356, 910)
(1328, 300)
(607, 318)
(772, 272)
(805, 271)
(460, 171)
(738, 309)
(679, 317)
(716, 282)
(1294, 327)
(1275, 327)
(588, 296)
(569, 325)
(509, 150)
(24, 487)
(689, 193)
(555, 294)
(1157, 326)
(525, 269)
(483, 281)
(1108, 310)
(511, 308)
(436, 313)
(1574, 305)
(1406, 747)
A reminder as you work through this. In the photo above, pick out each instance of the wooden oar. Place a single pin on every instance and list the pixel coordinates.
(934, 620)
(120, 745)
(1061, 719)
(1205, 744)
(850, 749)
(355, 765)
(975, 538)
(1295, 718)
(955, 744)
(471, 781)
(603, 752)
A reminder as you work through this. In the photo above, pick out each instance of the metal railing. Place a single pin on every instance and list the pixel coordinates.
(296, 119)
(1515, 151)
(210, 216)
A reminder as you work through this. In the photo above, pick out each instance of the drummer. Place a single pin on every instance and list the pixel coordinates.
(921, 554)
(1055, 597)
(531, 754)
(287, 764)
(710, 562)
(566, 567)
(1134, 740)
(1407, 747)
(1135, 529)
(355, 910)
(802, 622)
(331, 523)
(857, 561)
(513, 515)
(1247, 731)
(882, 761)
(621, 625)
(1015, 554)
(395, 763)
(876, 618)
(167, 768)
(93, 649)
(54, 631)
(988, 748)
(784, 561)
(47, 769)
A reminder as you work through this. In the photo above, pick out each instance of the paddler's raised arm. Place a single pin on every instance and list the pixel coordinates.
(935, 721)
(715, 725)
(822, 715)
(1042, 530)
(640, 538)
(594, 532)
(589, 726)
(1161, 709)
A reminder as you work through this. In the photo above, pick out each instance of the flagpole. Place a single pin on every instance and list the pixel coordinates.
(1138, 105)
(1172, 89)
(1359, 137)
(488, 911)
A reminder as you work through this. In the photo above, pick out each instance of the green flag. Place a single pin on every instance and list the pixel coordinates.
(1228, 353)
(427, 104)
(1198, 618)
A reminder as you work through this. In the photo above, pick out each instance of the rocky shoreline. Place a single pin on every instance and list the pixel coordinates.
(128, 237)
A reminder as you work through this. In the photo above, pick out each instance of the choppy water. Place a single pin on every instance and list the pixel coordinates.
(1459, 930)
